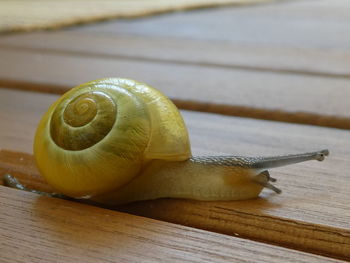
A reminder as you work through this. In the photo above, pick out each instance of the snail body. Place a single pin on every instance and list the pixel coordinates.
(117, 141)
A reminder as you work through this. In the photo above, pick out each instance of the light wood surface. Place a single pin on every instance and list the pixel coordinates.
(36, 14)
(283, 61)
(191, 84)
(41, 229)
(311, 214)
(328, 62)
(302, 23)
(301, 36)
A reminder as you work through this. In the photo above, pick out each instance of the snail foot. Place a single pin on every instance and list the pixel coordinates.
(12, 182)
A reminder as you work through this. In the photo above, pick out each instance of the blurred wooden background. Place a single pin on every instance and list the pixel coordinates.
(258, 80)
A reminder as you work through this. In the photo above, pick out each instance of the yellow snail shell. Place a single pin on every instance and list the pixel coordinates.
(103, 128)
(118, 140)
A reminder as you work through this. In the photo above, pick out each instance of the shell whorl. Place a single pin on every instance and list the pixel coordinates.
(83, 121)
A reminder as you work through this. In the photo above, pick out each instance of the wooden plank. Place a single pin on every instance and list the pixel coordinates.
(252, 56)
(17, 16)
(20, 113)
(311, 214)
(305, 24)
(268, 95)
(43, 229)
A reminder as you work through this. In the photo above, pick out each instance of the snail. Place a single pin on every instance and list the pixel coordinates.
(116, 141)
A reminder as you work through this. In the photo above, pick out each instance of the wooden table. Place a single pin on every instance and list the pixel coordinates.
(251, 80)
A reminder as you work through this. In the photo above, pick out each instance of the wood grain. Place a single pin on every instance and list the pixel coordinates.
(284, 61)
(312, 214)
(329, 62)
(17, 16)
(41, 229)
(301, 24)
(300, 98)
(21, 112)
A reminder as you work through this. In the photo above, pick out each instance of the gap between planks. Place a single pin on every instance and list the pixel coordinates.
(303, 50)
(190, 213)
(30, 20)
(43, 229)
(283, 60)
(311, 215)
(289, 98)
(228, 110)
(300, 24)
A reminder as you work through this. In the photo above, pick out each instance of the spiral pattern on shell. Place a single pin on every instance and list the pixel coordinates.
(99, 135)
(86, 120)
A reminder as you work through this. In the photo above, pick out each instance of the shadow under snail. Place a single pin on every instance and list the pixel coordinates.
(116, 141)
